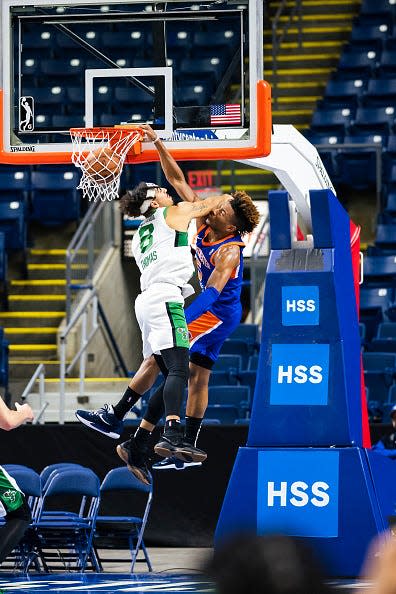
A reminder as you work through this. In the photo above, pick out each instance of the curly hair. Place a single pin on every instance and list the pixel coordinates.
(246, 214)
(132, 200)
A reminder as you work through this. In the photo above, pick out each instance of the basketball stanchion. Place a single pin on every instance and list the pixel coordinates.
(100, 154)
(307, 469)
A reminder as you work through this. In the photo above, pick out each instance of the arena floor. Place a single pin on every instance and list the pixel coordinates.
(175, 570)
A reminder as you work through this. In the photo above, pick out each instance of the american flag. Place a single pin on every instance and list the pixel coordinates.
(229, 113)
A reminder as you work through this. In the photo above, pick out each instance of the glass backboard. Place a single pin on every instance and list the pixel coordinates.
(193, 71)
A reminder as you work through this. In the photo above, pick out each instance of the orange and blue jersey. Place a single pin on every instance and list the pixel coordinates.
(212, 328)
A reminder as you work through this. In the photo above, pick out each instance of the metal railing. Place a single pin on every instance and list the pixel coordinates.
(40, 375)
(91, 313)
(84, 254)
(278, 37)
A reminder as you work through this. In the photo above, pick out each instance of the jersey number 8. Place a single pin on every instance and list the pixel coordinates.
(146, 237)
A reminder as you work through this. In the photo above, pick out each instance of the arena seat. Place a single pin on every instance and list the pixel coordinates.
(195, 94)
(249, 333)
(380, 270)
(385, 340)
(253, 363)
(357, 168)
(234, 346)
(343, 93)
(226, 414)
(13, 225)
(386, 236)
(373, 120)
(237, 396)
(206, 71)
(357, 64)
(55, 198)
(4, 365)
(390, 206)
(67, 530)
(387, 66)
(130, 97)
(15, 185)
(127, 525)
(379, 374)
(380, 92)
(228, 363)
(369, 37)
(222, 378)
(374, 305)
(377, 8)
(331, 121)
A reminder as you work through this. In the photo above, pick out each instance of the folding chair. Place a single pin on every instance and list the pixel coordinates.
(70, 531)
(131, 527)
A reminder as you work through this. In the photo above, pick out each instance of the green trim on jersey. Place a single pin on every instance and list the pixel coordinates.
(165, 211)
(10, 497)
(179, 325)
(181, 238)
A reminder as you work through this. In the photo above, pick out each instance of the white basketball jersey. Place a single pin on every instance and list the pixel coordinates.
(162, 254)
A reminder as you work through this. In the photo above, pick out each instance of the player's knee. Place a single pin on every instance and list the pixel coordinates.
(179, 366)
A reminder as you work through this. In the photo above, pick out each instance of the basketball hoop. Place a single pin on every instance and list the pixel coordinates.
(100, 154)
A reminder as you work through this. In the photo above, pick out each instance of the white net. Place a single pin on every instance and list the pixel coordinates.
(100, 154)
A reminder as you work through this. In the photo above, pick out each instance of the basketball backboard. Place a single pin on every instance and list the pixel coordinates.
(193, 71)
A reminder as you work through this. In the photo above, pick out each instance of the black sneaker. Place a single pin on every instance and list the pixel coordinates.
(102, 420)
(173, 444)
(135, 459)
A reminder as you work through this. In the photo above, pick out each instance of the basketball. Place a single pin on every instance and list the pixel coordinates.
(102, 165)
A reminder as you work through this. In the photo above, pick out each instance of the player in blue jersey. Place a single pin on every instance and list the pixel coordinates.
(211, 318)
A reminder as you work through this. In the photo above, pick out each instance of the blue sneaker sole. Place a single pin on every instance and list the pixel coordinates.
(95, 428)
(185, 466)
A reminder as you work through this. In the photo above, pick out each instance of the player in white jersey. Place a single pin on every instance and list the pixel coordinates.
(162, 253)
(13, 506)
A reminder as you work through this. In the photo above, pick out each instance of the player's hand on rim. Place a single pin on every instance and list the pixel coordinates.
(150, 133)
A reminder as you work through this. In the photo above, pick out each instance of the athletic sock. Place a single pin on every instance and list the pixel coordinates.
(129, 398)
(142, 438)
(191, 432)
(172, 428)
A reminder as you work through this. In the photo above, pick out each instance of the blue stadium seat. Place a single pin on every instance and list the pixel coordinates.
(130, 97)
(343, 93)
(232, 363)
(387, 66)
(222, 378)
(390, 205)
(196, 94)
(386, 236)
(332, 121)
(226, 414)
(238, 396)
(379, 374)
(253, 363)
(374, 120)
(380, 270)
(116, 42)
(39, 41)
(4, 365)
(317, 137)
(249, 333)
(65, 122)
(357, 64)
(55, 198)
(385, 340)
(374, 305)
(223, 44)
(248, 378)
(206, 71)
(136, 115)
(13, 225)
(58, 71)
(378, 9)
(237, 347)
(357, 168)
(380, 92)
(15, 184)
(369, 37)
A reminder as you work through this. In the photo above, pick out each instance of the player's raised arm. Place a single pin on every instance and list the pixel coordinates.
(171, 169)
(180, 216)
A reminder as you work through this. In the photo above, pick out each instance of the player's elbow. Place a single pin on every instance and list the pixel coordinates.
(6, 425)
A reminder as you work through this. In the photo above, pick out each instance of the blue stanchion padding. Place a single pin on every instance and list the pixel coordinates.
(323, 495)
(308, 379)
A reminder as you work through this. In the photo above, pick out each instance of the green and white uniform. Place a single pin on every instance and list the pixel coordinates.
(164, 259)
(11, 497)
